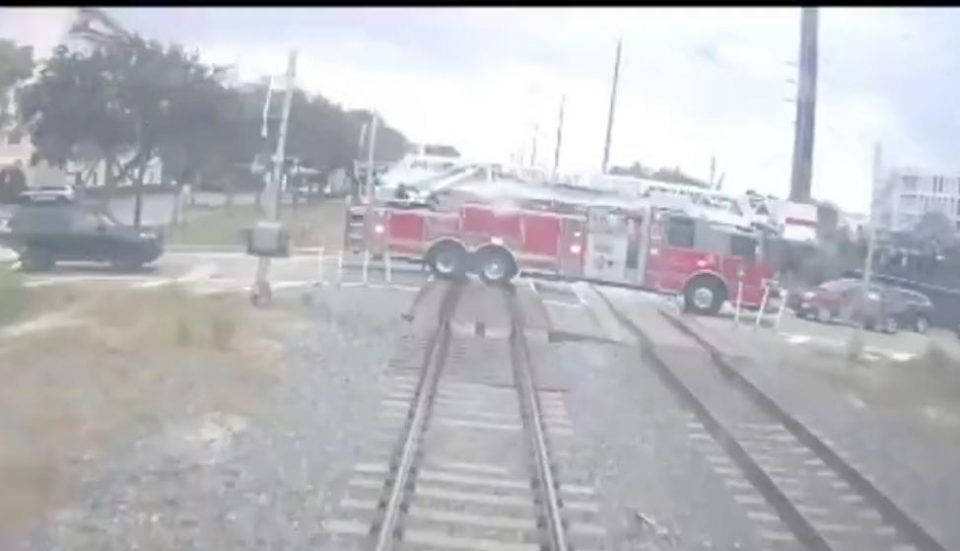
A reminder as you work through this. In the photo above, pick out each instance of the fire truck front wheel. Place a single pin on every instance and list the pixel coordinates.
(704, 295)
(447, 260)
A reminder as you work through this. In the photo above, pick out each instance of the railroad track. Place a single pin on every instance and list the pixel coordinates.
(471, 465)
(792, 483)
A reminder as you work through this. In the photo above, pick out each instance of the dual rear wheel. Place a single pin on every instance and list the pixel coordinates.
(449, 260)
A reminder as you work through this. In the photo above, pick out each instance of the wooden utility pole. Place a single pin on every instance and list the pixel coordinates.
(556, 151)
(374, 122)
(613, 103)
(806, 107)
(533, 149)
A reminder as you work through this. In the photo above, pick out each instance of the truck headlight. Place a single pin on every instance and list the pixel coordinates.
(378, 229)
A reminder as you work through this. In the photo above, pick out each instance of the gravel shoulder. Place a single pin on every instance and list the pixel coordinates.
(635, 444)
(255, 469)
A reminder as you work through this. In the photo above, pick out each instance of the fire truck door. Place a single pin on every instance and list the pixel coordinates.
(570, 250)
(638, 244)
(607, 243)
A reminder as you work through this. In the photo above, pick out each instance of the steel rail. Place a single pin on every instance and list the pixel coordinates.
(526, 389)
(433, 362)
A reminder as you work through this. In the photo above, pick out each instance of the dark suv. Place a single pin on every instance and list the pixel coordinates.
(45, 229)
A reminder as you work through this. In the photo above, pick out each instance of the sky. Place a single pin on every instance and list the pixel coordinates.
(695, 83)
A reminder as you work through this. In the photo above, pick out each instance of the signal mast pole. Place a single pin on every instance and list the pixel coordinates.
(261, 288)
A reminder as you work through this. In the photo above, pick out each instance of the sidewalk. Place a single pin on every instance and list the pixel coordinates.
(877, 415)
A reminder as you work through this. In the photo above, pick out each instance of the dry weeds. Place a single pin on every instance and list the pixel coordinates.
(113, 365)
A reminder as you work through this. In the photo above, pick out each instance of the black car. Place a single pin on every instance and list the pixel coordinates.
(45, 229)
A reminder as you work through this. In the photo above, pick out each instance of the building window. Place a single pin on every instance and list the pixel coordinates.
(910, 183)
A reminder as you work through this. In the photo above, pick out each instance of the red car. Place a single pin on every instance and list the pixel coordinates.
(850, 301)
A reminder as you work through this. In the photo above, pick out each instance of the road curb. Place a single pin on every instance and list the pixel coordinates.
(229, 249)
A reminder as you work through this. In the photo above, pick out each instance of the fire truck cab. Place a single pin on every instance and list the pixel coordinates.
(638, 245)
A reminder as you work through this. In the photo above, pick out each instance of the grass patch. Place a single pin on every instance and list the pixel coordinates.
(14, 302)
(19, 303)
(925, 388)
(128, 363)
(313, 225)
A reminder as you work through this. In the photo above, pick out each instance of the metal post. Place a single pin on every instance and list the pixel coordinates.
(340, 267)
(386, 258)
(763, 306)
(855, 344)
(320, 268)
(366, 264)
(262, 285)
(736, 313)
(783, 306)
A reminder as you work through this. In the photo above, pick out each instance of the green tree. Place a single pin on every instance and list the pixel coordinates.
(636, 170)
(128, 103)
(72, 110)
(677, 176)
(936, 229)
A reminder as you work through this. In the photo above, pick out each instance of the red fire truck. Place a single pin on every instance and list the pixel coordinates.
(642, 246)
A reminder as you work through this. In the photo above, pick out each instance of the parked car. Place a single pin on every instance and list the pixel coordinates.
(850, 301)
(64, 193)
(47, 228)
(916, 309)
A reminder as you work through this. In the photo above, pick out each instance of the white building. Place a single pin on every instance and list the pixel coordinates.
(902, 195)
(15, 153)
